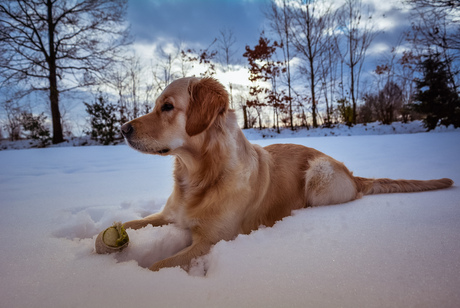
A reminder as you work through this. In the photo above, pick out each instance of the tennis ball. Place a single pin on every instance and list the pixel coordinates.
(112, 239)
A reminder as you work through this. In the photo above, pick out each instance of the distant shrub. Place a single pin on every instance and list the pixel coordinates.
(345, 111)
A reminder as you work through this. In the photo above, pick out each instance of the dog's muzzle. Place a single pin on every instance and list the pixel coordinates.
(127, 130)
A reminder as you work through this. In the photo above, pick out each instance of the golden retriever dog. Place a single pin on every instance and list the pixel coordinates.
(225, 185)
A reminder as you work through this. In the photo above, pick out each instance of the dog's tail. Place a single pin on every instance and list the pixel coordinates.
(384, 186)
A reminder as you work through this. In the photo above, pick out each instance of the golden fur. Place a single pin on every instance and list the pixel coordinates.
(225, 185)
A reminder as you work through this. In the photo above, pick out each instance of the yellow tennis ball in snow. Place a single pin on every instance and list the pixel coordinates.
(112, 239)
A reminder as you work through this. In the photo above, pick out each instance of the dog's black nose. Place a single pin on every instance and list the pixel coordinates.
(127, 129)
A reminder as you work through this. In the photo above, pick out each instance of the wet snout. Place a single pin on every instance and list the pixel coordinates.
(127, 130)
(140, 139)
(130, 133)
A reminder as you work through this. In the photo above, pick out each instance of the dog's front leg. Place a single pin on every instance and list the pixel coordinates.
(200, 246)
(155, 220)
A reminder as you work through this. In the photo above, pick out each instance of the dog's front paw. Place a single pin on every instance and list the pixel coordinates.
(170, 262)
(156, 267)
(135, 224)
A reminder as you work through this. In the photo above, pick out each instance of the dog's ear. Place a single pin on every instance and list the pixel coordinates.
(208, 99)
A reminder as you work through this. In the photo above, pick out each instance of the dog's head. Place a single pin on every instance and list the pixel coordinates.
(187, 108)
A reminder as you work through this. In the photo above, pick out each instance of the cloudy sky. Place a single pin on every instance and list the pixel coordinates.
(197, 22)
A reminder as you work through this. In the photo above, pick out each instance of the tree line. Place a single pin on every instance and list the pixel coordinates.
(306, 69)
(329, 45)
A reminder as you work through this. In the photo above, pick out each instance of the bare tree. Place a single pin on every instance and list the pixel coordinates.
(443, 4)
(396, 72)
(204, 58)
(241, 98)
(45, 42)
(358, 33)
(407, 67)
(10, 96)
(280, 22)
(383, 105)
(226, 43)
(118, 79)
(328, 77)
(166, 60)
(184, 64)
(12, 123)
(311, 22)
(134, 86)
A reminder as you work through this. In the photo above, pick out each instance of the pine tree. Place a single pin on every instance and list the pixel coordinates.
(104, 123)
(435, 97)
(36, 128)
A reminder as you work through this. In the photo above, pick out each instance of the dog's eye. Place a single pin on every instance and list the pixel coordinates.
(167, 107)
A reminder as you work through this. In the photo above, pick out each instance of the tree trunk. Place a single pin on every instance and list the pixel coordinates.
(352, 81)
(313, 94)
(55, 113)
(311, 59)
(245, 116)
(276, 119)
(353, 98)
(286, 32)
(54, 92)
(230, 86)
(328, 118)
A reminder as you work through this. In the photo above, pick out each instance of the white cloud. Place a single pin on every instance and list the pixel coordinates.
(238, 75)
(378, 48)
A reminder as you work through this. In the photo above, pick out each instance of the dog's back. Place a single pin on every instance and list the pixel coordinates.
(299, 177)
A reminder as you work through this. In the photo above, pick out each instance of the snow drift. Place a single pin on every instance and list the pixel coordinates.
(395, 250)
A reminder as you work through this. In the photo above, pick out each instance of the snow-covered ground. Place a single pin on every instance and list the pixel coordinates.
(397, 250)
(375, 128)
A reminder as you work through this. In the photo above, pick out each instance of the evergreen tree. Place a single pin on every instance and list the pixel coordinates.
(436, 97)
(104, 123)
(36, 128)
(346, 111)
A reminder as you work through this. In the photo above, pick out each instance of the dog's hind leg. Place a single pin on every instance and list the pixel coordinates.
(328, 181)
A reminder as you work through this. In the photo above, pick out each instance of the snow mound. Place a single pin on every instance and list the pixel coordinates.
(394, 250)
